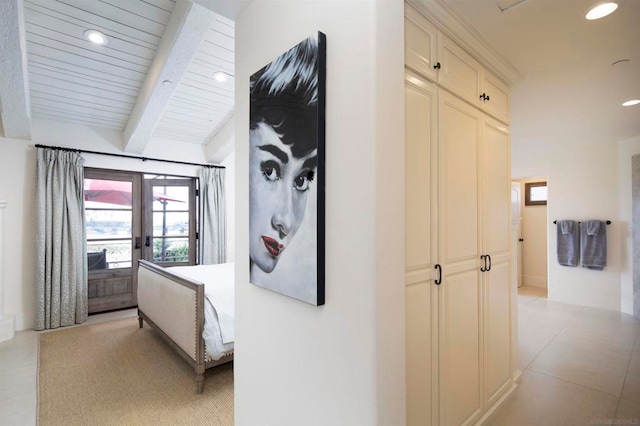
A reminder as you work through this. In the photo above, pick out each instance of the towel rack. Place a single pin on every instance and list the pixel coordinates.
(608, 222)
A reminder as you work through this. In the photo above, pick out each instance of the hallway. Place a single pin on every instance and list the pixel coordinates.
(579, 365)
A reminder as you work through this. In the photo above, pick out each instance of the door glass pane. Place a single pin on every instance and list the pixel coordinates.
(170, 250)
(170, 198)
(109, 223)
(112, 254)
(170, 224)
(103, 223)
(107, 194)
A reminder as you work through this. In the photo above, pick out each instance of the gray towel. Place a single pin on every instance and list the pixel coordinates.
(593, 244)
(568, 242)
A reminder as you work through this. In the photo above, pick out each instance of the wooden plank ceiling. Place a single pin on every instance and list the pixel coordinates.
(73, 80)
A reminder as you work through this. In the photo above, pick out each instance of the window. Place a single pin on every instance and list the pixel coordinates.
(535, 194)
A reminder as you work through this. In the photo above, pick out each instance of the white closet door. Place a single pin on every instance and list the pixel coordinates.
(459, 73)
(497, 290)
(420, 44)
(460, 349)
(421, 247)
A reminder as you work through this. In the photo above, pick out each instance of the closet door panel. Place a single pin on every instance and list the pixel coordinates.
(420, 44)
(460, 348)
(420, 365)
(497, 332)
(459, 73)
(421, 248)
(498, 104)
(497, 190)
(459, 133)
(420, 128)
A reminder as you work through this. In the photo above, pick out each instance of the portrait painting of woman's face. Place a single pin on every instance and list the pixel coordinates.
(286, 173)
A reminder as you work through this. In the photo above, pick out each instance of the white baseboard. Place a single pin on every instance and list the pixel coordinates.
(492, 411)
(534, 281)
(25, 321)
(516, 375)
(7, 327)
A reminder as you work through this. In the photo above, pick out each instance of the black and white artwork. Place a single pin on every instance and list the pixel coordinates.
(286, 172)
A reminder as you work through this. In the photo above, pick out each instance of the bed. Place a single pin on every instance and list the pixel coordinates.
(191, 308)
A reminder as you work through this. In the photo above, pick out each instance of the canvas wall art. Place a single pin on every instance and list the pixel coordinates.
(287, 172)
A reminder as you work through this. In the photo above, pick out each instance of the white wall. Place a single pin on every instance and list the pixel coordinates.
(341, 363)
(582, 184)
(17, 186)
(534, 246)
(626, 149)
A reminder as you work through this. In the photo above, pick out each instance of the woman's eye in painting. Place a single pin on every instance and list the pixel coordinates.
(270, 170)
(303, 180)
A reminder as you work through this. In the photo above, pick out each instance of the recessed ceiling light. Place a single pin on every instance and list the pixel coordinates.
(222, 76)
(96, 37)
(631, 102)
(601, 10)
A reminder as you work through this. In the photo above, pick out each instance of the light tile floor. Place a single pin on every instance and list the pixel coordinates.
(19, 370)
(580, 366)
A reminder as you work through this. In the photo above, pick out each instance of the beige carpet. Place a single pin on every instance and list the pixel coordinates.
(115, 373)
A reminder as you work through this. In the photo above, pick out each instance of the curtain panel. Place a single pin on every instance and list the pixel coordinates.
(213, 218)
(61, 261)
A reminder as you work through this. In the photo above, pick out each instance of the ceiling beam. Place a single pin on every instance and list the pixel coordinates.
(230, 9)
(15, 108)
(222, 144)
(180, 42)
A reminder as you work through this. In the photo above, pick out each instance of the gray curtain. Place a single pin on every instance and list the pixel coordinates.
(61, 262)
(213, 217)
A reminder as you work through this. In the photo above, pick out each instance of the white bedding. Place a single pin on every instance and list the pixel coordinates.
(219, 304)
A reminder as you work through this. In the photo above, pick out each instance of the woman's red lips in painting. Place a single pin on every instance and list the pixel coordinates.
(272, 246)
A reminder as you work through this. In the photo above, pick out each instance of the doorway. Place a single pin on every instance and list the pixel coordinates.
(532, 242)
(131, 216)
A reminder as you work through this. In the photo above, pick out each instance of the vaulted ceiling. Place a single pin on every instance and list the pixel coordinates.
(153, 79)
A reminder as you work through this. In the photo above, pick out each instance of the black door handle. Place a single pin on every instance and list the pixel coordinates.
(489, 256)
(439, 280)
(483, 268)
(147, 241)
(137, 244)
(436, 66)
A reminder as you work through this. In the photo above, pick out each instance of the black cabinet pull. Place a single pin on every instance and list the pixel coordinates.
(489, 256)
(439, 280)
(484, 97)
(147, 241)
(483, 268)
(521, 239)
(137, 244)
(487, 98)
(436, 66)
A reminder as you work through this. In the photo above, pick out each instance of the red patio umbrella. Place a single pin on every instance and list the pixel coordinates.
(116, 192)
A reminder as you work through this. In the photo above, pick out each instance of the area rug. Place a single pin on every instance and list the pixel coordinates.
(114, 373)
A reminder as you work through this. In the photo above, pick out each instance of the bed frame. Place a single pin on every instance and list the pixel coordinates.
(173, 306)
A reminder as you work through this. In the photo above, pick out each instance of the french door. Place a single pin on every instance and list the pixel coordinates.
(131, 216)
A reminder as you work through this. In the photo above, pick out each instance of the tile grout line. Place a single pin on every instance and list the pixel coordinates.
(551, 340)
(624, 381)
(618, 397)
